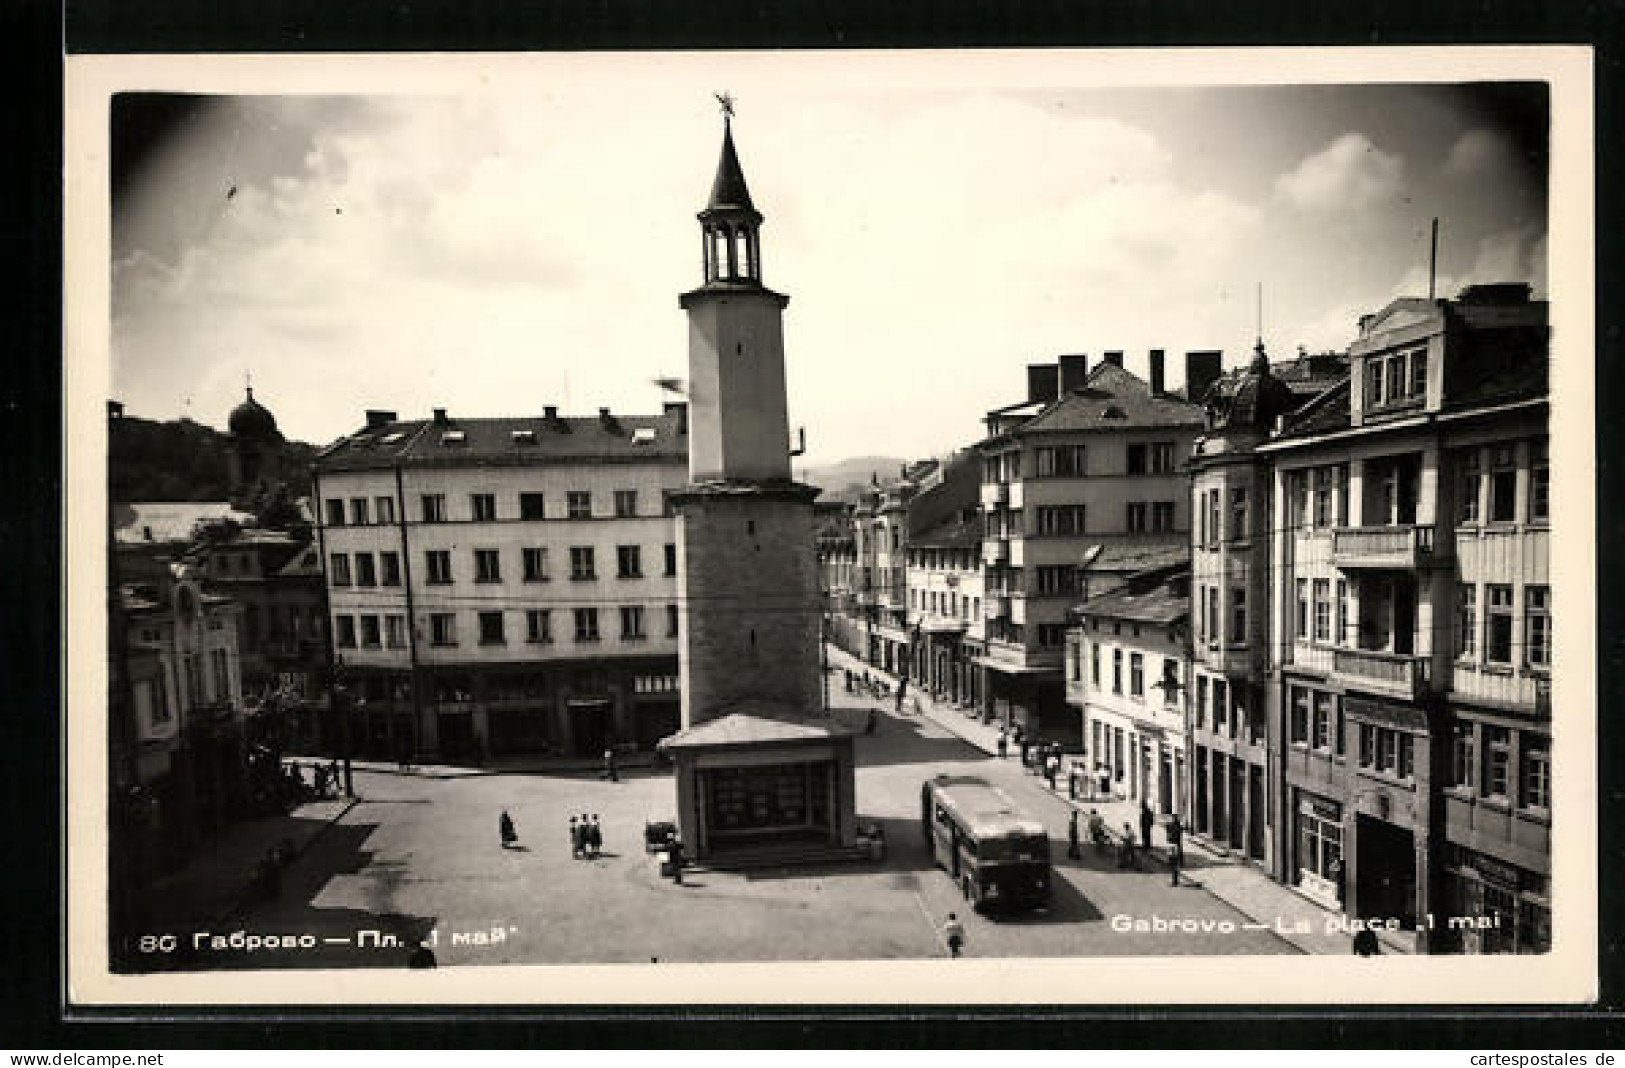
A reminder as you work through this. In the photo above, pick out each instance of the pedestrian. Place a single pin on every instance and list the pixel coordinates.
(1004, 744)
(869, 722)
(1072, 849)
(1126, 857)
(1176, 839)
(505, 828)
(422, 957)
(609, 764)
(1052, 768)
(575, 839)
(953, 932)
(1366, 944)
(1097, 831)
(1148, 820)
(1104, 775)
(1022, 744)
(595, 837)
(676, 855)
(321, 782)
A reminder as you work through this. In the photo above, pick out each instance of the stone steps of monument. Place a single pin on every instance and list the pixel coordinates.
(756, 858)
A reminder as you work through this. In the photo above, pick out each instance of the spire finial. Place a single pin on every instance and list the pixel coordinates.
(725, 100)
(248, 384)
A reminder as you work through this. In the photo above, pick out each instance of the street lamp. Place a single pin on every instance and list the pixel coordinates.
(339, 699)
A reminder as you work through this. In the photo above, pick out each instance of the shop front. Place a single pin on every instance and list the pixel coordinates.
(1495, 907)
(1318, 849)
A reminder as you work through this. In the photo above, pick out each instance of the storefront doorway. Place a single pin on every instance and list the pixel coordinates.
(589, 726)
(1386, 870)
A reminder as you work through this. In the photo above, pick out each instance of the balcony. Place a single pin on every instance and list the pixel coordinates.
(1015, 498)
(1225, 659)
(996, 606)
(995, 552)
(1018, 610)
(995, 495)
(1396, 674)
(1402, 547)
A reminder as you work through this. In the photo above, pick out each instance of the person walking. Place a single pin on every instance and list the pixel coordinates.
(1004, 744)
(1097, 830)
(1148, 820)
(576, 843)
(505, 828)
(1126, 857)
(676, 854)
(1176, 845)
(953, 933)
(1072, 850)
(595, 837)
(1052, 768)
(609, 764)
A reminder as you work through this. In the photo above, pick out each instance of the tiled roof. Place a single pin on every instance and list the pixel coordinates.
(1161, 597)
(509, 440)
(1112, 399)
(958, 533)
(757, 723)
(1136, 555)
(1324, 414)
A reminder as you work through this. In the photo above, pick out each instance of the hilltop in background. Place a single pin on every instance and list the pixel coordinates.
(182, 461)
(848, 478)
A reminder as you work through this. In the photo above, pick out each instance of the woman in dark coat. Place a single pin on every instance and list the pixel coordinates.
(505, 827)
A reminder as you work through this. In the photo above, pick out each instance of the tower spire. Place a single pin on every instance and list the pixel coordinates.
(730, 222)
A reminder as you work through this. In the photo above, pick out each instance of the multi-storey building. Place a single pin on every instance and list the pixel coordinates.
(179, 665)
(1412, 624)
(502, 586)
(1127, 670)
(944, 584)
(1231, 581)
(1092, 457)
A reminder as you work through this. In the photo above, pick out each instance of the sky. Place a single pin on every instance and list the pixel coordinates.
(492, 253)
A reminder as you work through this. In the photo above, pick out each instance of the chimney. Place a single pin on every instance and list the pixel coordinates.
(608, 421)
(377, 418)
(1074, 369)
(679, 410)
(1042, 381)
(551, 413)
(440, 418)
(115, 409)
(1157, 384)
(1114, 358)
(1201, 371)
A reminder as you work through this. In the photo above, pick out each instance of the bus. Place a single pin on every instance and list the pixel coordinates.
(995, 852)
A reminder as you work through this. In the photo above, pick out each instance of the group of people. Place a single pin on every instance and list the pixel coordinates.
(1127, 846)
(586, 838)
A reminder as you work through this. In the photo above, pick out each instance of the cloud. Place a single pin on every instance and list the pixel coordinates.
(1350, 173)
(1478, 152)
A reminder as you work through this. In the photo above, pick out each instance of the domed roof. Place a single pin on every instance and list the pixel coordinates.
(251, 419)
(1253, 399)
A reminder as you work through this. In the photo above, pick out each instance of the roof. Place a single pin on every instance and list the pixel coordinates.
(1324, 414)
(1136, 555)
(981, 805)
(1112, 398)
(251, 419)
(168, 521)
(729, 189)
(1158, 596)
(956, 533)
(758, 723)
(519, 440)
(306, 563)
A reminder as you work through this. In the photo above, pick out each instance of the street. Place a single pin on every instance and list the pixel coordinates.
(419, 859)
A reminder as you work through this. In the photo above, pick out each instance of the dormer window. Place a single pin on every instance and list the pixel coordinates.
(524, 437)
(1396, 380)
(454, 437)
